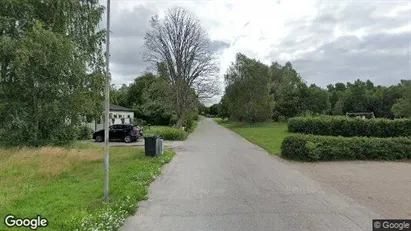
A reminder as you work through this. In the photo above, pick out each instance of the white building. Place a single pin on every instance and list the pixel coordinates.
(118, 115)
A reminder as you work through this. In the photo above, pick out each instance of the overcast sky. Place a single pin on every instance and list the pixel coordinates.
(326, 41)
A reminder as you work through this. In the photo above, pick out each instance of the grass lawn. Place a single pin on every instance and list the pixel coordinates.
(266, 135)
(65, 185)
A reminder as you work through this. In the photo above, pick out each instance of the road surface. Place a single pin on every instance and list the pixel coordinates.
(220, 181)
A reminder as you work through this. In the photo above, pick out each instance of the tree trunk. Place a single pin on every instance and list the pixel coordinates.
(179, 123)
(179, 101)
(36, 119)
(180, 113)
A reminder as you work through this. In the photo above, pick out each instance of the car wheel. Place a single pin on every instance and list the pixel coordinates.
(127, 139)
(99, 139)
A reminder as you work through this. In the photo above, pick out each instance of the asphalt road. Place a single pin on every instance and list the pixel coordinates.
(220, 181)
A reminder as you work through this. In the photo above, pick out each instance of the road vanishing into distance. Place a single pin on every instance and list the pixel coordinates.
(220, 181)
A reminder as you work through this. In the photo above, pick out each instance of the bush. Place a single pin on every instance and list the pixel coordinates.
(196, 117)
(154, 114)
(139, 122)
(275, 116)
(282, 119)
(350, 127)
(188, 124)
(190, 120)
(192, 126)
(168, 133)
(84, 133)
(314, 148)
(173, 119)
(19, 134)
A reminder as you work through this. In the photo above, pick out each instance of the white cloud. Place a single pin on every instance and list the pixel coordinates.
(310, 34)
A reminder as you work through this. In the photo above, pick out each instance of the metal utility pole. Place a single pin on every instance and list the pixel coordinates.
(107, 108)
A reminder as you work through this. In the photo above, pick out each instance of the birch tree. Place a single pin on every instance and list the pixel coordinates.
(182, 47)
(51, 68)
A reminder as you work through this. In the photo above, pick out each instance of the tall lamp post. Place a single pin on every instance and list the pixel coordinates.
(107, 108)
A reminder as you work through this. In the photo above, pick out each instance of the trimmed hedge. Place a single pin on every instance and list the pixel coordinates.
(315, 148)
(350, 127)
(169, 133)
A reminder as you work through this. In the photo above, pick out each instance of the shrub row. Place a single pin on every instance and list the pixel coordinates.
(169, 133)
(350, 127)
(314, 148)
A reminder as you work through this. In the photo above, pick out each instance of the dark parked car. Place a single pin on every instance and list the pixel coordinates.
(123, 132)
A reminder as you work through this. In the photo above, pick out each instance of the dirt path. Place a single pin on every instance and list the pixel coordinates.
(220, 181)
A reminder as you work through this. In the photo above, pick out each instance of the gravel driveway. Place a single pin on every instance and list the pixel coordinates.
(220, 181)
(384, 187)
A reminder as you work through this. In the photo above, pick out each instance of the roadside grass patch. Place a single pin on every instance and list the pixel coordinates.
(266, 135)
(65, 185)
(276, 139)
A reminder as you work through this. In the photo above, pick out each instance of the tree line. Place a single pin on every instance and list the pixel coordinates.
(151, 98)
(179, 50)
(52, 74)
(257, 92)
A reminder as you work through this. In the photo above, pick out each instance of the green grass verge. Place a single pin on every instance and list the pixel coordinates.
(65, 185)
(266, 135)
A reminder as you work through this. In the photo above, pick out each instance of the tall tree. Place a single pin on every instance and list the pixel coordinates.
(289, 94)
(118, 96)
(156, 107)
(51, 68)
(248, 90)
(403, 106)
(317, 101)
(214, 109)
(180, 44)
(340, 87)
(223, 108)
(134, 94)
(356, 98)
